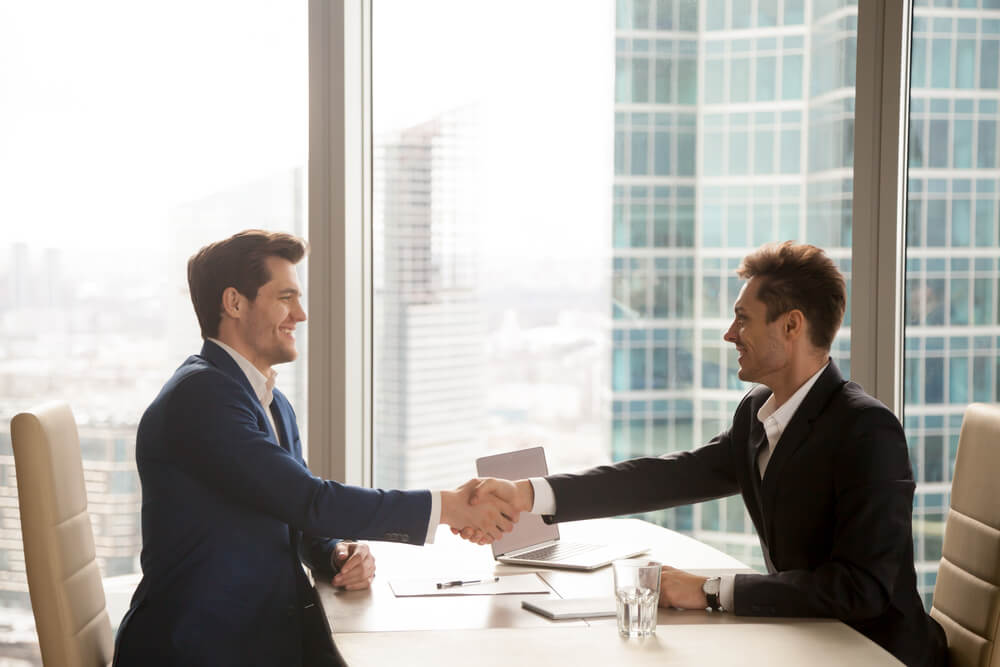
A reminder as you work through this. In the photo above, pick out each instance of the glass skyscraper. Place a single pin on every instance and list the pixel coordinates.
(952, 347)
(734, 127)
(429, 323)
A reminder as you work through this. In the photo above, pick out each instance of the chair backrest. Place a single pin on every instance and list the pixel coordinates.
(67, 596)
(967, 593)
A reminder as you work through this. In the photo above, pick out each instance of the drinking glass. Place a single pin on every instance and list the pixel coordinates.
(637, 590)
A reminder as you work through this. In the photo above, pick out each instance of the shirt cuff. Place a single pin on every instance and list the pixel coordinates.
(727, 583)
(545, 497)
(435, 517)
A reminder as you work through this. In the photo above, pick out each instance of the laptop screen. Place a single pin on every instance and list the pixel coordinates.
(521, 464)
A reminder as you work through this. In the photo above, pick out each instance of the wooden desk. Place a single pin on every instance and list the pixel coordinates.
(372, 627)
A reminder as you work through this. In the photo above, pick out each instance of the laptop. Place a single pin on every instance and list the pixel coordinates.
(534, 542)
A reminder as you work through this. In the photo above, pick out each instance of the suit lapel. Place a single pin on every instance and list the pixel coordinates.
(225, 363)
(795, 435)
(284, 434)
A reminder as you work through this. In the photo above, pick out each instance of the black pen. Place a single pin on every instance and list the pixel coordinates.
(471, 582)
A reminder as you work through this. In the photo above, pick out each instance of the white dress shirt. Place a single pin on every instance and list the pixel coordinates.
(774, 418)
(263, 387)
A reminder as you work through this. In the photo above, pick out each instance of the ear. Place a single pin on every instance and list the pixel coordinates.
(232, 303)
(795, 323)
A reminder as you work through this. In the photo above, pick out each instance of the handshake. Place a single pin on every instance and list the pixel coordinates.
(482, 510)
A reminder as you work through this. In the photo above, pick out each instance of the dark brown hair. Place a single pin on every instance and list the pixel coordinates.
(799, 276)
(239, 261)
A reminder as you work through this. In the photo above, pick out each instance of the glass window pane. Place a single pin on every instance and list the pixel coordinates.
(965, 65)
(918, 63)
(123, 154)
(951, 245)
(791, 77)
(986, 144)
(715, 14)
(963, 144)
(739, 80)
(938, 148)
(766, 67)
(640, 80)
(960, 223)
(794, 12)
(989, 63)
(941, 63)
(664, 81)
(958, 380)
(640, 152)
(715, 85)
(534, 312)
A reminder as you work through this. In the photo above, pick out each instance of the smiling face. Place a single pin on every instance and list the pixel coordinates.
(265, 327)
(762, 348)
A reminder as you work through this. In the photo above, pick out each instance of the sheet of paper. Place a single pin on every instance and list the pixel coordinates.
(508, 584)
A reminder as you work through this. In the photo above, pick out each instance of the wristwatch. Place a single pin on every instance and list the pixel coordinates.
(711, 589)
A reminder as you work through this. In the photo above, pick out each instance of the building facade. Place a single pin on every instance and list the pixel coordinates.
(733, 128)
(430, 331)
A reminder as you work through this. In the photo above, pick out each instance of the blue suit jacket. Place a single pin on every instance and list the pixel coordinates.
(228, 513)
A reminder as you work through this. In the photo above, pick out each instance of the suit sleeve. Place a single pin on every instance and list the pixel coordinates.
(315, 552)
(215, 437)
(645, 484)
(874, 496)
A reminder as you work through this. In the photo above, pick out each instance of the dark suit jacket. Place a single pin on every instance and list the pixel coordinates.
(227, 513)
(833, 511)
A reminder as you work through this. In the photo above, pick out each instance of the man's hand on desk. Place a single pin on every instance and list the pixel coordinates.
(356, 563)
(681, 589)
(482, 522)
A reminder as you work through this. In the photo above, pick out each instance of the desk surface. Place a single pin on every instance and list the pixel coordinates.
(374, 626)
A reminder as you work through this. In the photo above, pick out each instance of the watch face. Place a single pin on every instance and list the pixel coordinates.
(711, 587)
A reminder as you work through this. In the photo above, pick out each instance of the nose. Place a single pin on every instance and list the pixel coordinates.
(299, 313)
(730, 335)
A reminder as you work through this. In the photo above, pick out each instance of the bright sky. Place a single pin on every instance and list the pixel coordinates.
(113, 112)
(543, 74)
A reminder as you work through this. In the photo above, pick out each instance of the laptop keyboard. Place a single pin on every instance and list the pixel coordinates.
(558, 551)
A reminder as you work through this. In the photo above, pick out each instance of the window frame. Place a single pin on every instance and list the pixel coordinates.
(340, 270)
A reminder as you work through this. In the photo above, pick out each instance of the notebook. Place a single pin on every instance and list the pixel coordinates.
(534, 542)
(574, 608)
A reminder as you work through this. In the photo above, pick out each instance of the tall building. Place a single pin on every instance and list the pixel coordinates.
(952, 348)
(734, 127)
(429, 324)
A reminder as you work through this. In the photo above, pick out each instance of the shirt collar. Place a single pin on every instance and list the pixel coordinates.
(263, 385)
(786, 411)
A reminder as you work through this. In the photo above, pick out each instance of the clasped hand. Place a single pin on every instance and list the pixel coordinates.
(481, 511)
(488, 496)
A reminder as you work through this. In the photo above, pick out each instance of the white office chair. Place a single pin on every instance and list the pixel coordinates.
(967, 592)
(67, 596)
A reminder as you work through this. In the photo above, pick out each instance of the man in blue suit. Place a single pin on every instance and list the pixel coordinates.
(230, 511)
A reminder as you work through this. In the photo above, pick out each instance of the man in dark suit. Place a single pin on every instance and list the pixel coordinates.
(822, 466)
(229, 509)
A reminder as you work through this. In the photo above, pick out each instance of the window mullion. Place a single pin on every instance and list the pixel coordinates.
(339, 233)
(880, 129)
